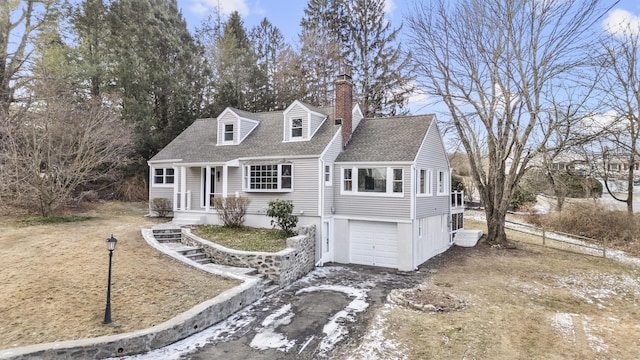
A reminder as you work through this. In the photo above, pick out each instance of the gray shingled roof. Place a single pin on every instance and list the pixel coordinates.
(378, 139)
(387, 139)
(198, 142)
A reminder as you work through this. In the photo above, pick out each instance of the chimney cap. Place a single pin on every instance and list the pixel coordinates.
(343, 77)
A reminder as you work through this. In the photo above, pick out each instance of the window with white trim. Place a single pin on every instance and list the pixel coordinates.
(347, 180)
(327, 174)
(163, 176)
(442, 183)
(296, 128)
(397, 181)
(373, 180)
(228, 132)
(268, 177)
(424, 182)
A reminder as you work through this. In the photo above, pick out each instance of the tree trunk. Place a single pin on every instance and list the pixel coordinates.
(496, 226)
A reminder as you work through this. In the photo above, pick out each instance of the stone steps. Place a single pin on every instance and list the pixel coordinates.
(172, 238)
(168, 235)
(196, 254)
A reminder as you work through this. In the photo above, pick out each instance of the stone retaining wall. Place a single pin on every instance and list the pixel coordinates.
(186, 324)
(283, 267)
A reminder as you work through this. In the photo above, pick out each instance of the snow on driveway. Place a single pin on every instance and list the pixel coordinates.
(307, 319)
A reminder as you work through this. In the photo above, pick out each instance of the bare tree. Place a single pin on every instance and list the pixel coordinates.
(496, 65)
(19, 22)
(60, 145)
(620, 88)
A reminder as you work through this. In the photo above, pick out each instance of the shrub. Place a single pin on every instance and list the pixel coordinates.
(282, 213)
(593, 221)
(231, 210)
(521, 197)
(457, 183)
(161, 206)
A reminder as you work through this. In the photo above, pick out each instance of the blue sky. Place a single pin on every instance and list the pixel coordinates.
(286, 15)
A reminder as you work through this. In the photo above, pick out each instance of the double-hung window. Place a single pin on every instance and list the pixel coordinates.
(296, 128)
(228, 132)
(443, 183)
(347, 180)
(327, 174)
(424, 182)
(163, 176)
(268, 177)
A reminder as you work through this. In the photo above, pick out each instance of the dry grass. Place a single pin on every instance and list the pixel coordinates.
(54, 278)
(524, 303)
(593, 221)
(243, 238)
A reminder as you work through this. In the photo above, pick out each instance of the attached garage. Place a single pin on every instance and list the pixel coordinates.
(374, 243)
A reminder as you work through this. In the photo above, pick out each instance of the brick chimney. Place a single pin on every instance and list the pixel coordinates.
(344, 105)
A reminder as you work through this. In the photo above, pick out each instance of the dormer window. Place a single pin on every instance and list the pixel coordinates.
(296, 128)
(228, 132)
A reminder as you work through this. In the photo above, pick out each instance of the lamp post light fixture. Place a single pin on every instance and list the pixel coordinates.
(111, 245)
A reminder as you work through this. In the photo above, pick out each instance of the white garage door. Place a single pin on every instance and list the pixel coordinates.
(374, 243)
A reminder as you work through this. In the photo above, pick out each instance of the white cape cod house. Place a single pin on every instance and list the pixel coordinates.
(377, 189)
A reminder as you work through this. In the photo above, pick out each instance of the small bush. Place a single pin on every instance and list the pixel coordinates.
(161, 206)
(132, 188)
(521, 197)
(457, 183)
(231, 210)
(282, 213)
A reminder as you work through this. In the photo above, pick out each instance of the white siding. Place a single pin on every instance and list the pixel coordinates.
(194, 181)
(163, 192)
(296, 112)
(315, 120)
(246, 127)
(333, 150)
(432, 155)
(356, 116)
(227, 118)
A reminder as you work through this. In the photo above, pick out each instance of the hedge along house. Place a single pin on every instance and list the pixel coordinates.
(377, 189)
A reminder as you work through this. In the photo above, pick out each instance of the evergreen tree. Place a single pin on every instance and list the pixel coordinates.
(381, 72)
(89, 20)
(268, 45)
(157, 70)
(353, 36)
(240, 82)
(323, 45)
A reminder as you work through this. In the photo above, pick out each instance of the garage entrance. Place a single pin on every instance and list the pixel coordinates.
(373, 243)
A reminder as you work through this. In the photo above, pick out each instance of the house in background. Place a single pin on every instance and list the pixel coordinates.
(377, 189)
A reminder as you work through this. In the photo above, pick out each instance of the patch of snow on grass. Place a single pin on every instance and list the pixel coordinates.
(267, 338)
(334, 330)
(564, 323)
(374, 345)
(596, 343)
(598, 287)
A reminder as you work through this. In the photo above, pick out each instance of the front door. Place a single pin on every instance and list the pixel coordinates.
(211, 185)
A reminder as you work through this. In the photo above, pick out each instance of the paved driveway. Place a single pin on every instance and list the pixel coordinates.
(324, 314)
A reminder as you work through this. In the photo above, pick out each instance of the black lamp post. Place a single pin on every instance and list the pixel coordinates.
(111, 245)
